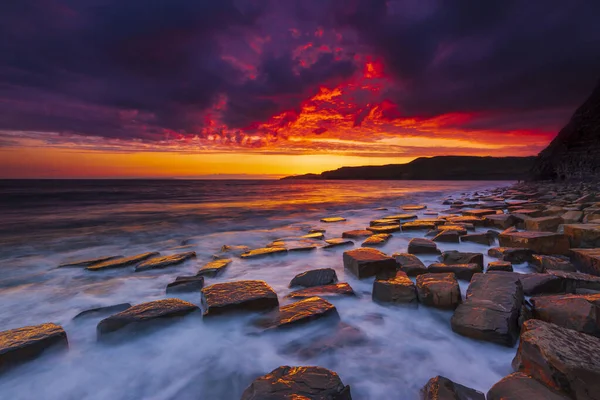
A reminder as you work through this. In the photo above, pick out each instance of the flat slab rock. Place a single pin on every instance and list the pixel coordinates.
(418, 225)
(535, 283)
(215, 267)
(94, 312)
(378, 239)
(573, 311)
(410, 264)
(519, 386)
(337, 242)
(27, 343)
(165, 261)
(186, 284)
(142, 314)
(491, 309)
(500, 266)
(357, 234)
(422, 246)
(583, 235)
(461, 271)
(122, 262)
(512, 254)
(458, 257)
(399, 290)
(447, 236)
(329, 220)
(238, 296)
(547, 263)
(300, 312)
(440, 388)
(366, 262)
(391, 228)
(439, 290)
(563, 359)
(480, 238)
(588, 260)
(87, 263)
(264, 252)
(315, 277)
(539, 242)
(334, 290)
(285, 383)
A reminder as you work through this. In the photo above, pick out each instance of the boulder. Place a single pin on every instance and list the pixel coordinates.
(543, 224)
(399, 289)
(457, 257)
(298, 383)
(511, 254)
(501, 221)
(439, 290)
(500, 266)
(375, 240)
(165, 261)
(29, 342)
(422, 246)
(214, 268)
(544, 263)
(410, 264)
(587, 260)
(98, 311)
(87, 263)
(491, 309)
(238, 296)
(479, 238)
(264, 252)
(334, 290)
(298, 313)
(329, 220)
(145, 314)
(365, 262)
(563, 359)
(519, 386)
(447, 236)
(440, 388)
(539, 242)
(583, 235)
(462, 271)
(186, 284)
(122, 262)
(384, 228)
(357, 234)
(315, 277)
(337, 242)
(572, 311)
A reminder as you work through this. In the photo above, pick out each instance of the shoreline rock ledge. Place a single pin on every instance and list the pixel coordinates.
(29, 342)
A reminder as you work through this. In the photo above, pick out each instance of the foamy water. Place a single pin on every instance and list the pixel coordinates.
(193, 360)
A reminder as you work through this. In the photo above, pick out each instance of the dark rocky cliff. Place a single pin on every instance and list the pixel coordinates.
(575, 152)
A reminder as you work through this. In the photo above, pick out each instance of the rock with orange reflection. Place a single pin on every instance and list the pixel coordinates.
(391, 228)
(519, 386)
(439, 290)
(337, 242)
(334, 290)
(457, 257)
(26, 343)
(122, 262)
(398, 289)
(499, 266)
(410, 264)
(512, 254)
(284, 383)
(422, 246)
(378, 239)
(238, 296)
(315, 277)
(186, 284)
(357, 234)
(572, 311)
(214, 268)
(165, 261)
(539, 242)
(264, 252)
(330, 220)
(440, 388)
(365, 262)
(462, 271)
(298, 313)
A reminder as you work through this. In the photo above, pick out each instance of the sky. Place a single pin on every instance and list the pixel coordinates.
(266, 88)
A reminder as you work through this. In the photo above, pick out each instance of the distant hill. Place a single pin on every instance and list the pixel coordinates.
(436, 168)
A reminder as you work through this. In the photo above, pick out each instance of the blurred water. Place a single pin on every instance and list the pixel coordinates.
(48, 222)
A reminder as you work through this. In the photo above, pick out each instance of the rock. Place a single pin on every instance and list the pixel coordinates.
(462, 271)
(186, 284)
(384, 228)
(572, 311)
(545, 263)
(588, 260)
(214, 268)
(400, 217)
(300, 312)
(399, 289)
(440, 388)
(422, 246)
(418, 225)
(337, 242)
(537, 283)
(540, 242)
(447, 236)
(334, 290)
(528, 212)
(343, 335)
(144, 314)
(315, 277)
(572, 217)
(29, 342)
(439, 290)
(480, 238)
(332, 219)
(298, 383)
(264, 252)
(467, 219)
(583, 235)
(313, 235)
(412, 207)
(378, 239)
(317, 230)
(380, 222)
(478, 213)
(228, 251)
(457, 257)
(500, 266)
(509, 230)
(295, 244)
(563, 359)
(165, 261)
(238, 296)
(95, 312)
(501, 221)
(410, 264)
(358, 234)
(519, 386)
(88, 263)
(491, 309)
(543, 224)
(365, 262)
(511, 254)
(122, 262)
(460, 229)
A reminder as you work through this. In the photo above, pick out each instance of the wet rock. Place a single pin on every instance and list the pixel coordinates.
(238, 296)
(563, 359)
(418, 225)
(543, 224)
(334, 290)
(462, 271)
(337, 242)
(332, 219)
(384, 228)
(186, 284)
(519, 386)
(447, 236)
(457, 257)
(122, 262)
(583, 235)
(478, 213)
(229, 251)
(165, 261)
(298, 313)
(479, 238)
(357, 234)
(410, 264)
(491, 309)
(317, 230)
(343, 335)
(315, 277)
(512, 254)
(413, 207)
(476, 221)
(461, 229)
(572, 217)
(380, 222)
(87, 263)
(144, 314)
(528, 212)
(264, 252)
(546, 263)
(365, 262)
(510, 230)
(588, 260)
(440, 388)
(295, 245)
(540, 242)
(399, 289)
(500, 266)
(572, 311)
(313, 235)
(375, 240)
(501, 221)
(400, 217)
(298, 383)
(537, 283)
(422, 246)
(439, 290)
(29, 342)
(98, 311)
(214, 268)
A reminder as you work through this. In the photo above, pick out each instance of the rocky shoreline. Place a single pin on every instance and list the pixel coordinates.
(554, 312)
